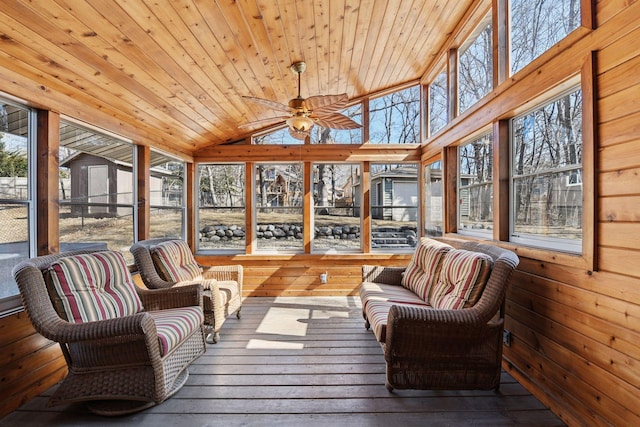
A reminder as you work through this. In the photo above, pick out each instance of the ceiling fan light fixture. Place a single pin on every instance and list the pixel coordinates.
(300, 123)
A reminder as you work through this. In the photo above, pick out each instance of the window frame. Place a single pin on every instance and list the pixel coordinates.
(183, 206)
(375, 189)
(254, 212)
(533, 240)
(417, 121)
(219, 251)
(133, 206)
(355, 197)
(487, 233)
(464, 47)
(13, 303)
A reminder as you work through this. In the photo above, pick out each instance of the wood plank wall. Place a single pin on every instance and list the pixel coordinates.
(29, 363)
(577, 332)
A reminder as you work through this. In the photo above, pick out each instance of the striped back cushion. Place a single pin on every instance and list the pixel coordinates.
(92, 287)
(462, 279)
(422, 272)
(174, 261)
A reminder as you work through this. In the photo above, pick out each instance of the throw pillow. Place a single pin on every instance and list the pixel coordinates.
(462, 279)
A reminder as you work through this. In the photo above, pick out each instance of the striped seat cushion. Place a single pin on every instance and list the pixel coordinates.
(174, 261)
(93, 287)
(423, 269)
(377, 299)
(174, 325)
(462, 279)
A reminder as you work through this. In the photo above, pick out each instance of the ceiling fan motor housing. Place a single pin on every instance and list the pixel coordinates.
(298, 105)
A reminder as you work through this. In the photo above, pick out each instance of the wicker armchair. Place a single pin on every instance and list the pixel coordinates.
(122, 364)
(222, 285)
(447, 349)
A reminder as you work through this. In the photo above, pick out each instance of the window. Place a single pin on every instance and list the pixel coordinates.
(279, 191)
(433, 199)
(438, 103)
(475, 187)
(322, 135)
(394, 206)
(17, 139)
(475, 67)
(276, 137)
(535, 26)
(221, 207)
(336, 213)
(395, 118)
(167, 199)
(96, 190)
(546, 146)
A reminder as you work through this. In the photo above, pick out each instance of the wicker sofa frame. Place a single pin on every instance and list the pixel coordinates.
(114, 365)
(455, 349)
(215, 313)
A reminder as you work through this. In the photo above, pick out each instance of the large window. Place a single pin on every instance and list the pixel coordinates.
(16, 195)
(276, 137)
(395, 118)
(535, 26)
(279, 195)
(475, 186)
(546, 146)
(433, 199)
(438, 103)
(336, 213)
(475, 66)
(167, 199)
(96, 190)
(221, 207)
(394, 206)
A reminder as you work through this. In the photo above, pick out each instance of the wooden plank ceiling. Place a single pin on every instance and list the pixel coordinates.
(173, 72)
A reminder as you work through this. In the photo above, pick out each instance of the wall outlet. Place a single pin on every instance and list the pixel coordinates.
(506, 338)
(324, 277)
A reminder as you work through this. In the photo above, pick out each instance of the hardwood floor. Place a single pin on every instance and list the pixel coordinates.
(303, 362)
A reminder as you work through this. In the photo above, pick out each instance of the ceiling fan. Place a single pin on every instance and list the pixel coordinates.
(304, 113)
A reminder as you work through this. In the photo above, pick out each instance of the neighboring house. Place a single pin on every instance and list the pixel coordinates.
(391, 190)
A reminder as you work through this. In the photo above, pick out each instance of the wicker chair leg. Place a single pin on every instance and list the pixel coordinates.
(367, 325)
(389, 387)
(238, 313)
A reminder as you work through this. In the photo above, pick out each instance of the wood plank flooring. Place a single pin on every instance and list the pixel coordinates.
(303, 362)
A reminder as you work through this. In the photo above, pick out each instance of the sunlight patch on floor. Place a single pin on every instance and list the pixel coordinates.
(277, 345)
(284, 321)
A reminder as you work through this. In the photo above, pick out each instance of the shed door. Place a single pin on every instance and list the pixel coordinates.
(98, 191)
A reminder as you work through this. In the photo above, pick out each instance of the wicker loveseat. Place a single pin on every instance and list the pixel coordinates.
(440, 320)
(165, 263)
(126, 348)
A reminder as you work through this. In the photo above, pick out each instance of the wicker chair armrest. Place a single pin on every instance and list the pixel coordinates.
(418, 330)
(225, 272)
(146, 268)
(382, 274)
(175, 297)
(139, 324)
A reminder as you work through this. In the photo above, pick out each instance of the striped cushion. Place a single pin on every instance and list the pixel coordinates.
(174, 261)
(462, 279)
(377, 299)
(174, 325)
(423, 269)
(92, 287)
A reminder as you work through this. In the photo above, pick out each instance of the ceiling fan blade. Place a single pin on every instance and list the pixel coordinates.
(268, 103)
(335, 121)
(267, 121)
(327, 103)
(298, 135)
